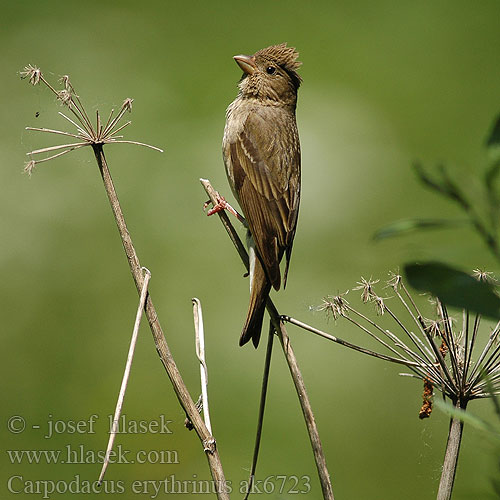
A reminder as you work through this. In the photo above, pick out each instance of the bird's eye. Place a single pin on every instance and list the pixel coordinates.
(270, 70)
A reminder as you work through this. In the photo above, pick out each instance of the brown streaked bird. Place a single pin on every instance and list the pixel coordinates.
(261, 153)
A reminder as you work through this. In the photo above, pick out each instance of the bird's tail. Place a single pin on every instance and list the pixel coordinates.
(259, 291)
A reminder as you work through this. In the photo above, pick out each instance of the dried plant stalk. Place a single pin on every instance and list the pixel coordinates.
(126, 374)
(319, 456)
(200, 354)
(451, 457)
(262, 406)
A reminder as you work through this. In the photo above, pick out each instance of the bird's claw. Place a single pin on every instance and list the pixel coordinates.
(221, 204)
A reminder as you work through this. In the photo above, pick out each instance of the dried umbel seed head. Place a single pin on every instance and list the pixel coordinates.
(28, 168)
(127, 104)
(87, 133)
(366, 287)
(379, 305)
(334, 306)
(64, 81)
(33, 73)
(442, 352)
(482, 275)
(65, 97)
(432, 327)
(394, 281)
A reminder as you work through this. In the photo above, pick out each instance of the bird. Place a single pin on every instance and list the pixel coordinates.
(261, 152)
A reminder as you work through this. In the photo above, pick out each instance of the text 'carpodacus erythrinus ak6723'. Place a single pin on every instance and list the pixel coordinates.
(262, 156)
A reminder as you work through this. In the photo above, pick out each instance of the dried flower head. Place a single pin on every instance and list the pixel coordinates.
(28, 168)
(33, 73)
(86, 134)
(436, 351)
(482, 275)
(65, 97)
(366, 287)
(432, 327)
(64, 81)
(394, 280)
(379, 305)
(334, 306)
(127, 104)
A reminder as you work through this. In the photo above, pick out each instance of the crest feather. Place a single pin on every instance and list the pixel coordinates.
(284, 56)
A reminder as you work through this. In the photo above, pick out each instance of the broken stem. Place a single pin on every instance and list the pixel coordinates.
(126, 374)
(200, 353)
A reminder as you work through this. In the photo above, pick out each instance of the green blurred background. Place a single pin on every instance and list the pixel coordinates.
(385, 83)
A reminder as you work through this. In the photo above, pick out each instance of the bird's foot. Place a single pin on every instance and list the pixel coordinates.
(222, 204)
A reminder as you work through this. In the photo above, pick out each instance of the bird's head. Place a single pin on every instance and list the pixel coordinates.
(270, 74)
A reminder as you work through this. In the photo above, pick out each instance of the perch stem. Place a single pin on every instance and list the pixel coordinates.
(312, 429)
(319, 456)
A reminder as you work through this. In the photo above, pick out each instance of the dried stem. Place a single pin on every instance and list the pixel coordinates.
(200, 353)
(97, 138)
(180, 388)
(280, 329)
(345, 343)
(126, 374)
(262, 406)
(451, 456)
(300, 387)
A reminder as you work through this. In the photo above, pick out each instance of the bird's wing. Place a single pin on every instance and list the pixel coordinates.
(265, 160)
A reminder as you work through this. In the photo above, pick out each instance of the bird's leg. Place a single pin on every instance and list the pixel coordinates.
(222, 204)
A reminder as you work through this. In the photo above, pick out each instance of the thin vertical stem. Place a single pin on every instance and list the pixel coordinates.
(200, 353)
(126, 374)
(449, 338)
(263, 397)
(420, 322)
(305, 404)
(451, 456)
(477, 364)
(472, 343)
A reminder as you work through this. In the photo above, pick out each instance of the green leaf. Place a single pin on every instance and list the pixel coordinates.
(466, 417)
(494, 137)
(454, 287)
(406, 226)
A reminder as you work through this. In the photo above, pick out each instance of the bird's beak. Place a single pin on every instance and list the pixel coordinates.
(246, 63)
